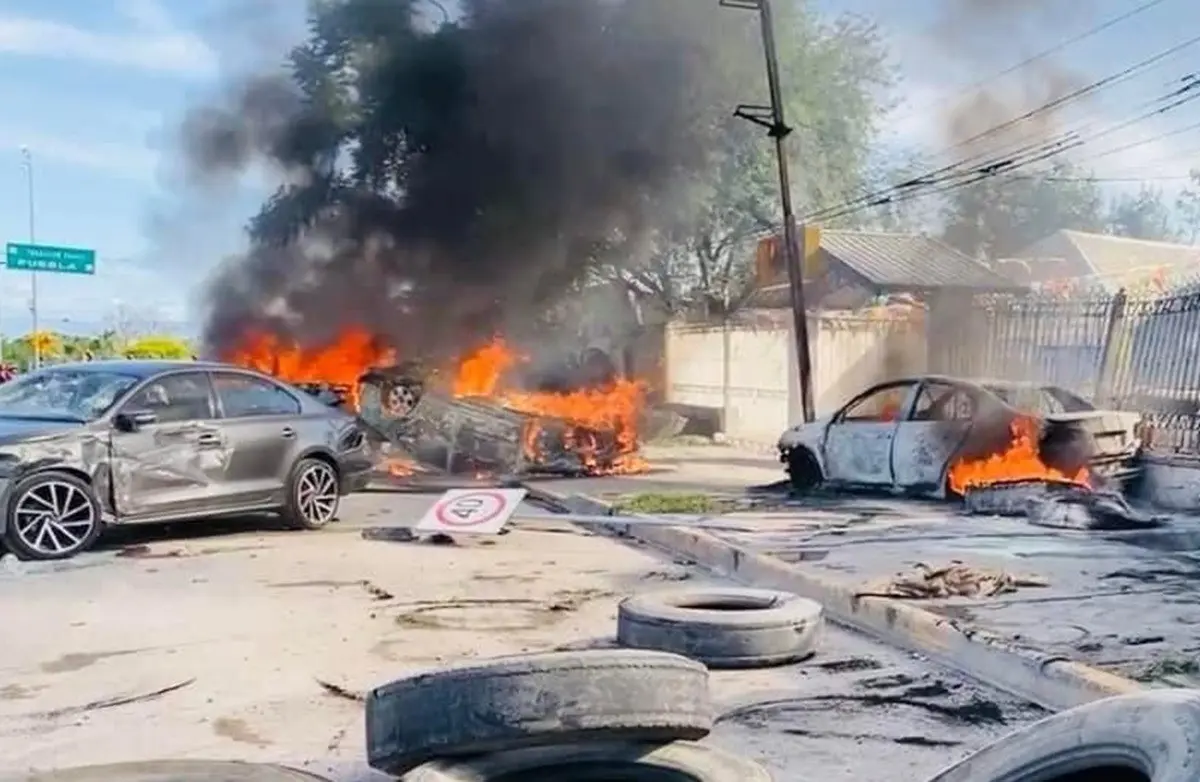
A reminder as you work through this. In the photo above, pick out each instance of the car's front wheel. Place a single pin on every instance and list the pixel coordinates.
(804, 473)
(52, 515)
(313, 495)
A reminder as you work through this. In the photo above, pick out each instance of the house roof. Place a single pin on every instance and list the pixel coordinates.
(1119, 255)
(910, 261)
(1114, 261)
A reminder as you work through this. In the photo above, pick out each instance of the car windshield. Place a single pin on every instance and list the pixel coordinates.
(63, 394)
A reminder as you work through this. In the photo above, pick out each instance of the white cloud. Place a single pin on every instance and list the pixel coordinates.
(126, 161)
(1150, 149)
(152, 42)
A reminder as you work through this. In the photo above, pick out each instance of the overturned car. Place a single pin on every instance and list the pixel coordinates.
(940, 436)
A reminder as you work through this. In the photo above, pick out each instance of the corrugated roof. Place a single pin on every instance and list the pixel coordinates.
(893, 260)
(1121, 257)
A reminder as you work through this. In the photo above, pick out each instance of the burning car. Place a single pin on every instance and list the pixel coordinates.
(492, 411)
(940, 436)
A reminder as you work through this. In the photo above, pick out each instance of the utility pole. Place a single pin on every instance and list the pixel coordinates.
(27, 161)
(773, 119)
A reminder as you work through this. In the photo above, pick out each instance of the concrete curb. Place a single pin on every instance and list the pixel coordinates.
(1052, 682)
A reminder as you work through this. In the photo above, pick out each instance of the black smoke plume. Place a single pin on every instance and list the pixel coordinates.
(445, 182)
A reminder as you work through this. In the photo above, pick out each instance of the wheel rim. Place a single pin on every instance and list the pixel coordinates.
(54, 518)
(317, 494)
(401, 400)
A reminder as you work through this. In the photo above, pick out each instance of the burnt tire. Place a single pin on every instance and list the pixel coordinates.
(173, 771)
(312, 494)
(71, 522)
(723, 627)
(804, 472)
(536, 700)
(1144, 737)
(680, 761)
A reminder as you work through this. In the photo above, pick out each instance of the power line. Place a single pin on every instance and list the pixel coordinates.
(1102, 27)
(926, 179)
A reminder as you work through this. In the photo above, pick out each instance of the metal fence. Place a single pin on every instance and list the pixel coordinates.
(1136, 352)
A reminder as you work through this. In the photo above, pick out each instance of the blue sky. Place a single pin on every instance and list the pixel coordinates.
(94, 88)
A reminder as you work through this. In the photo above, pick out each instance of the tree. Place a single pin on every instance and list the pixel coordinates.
(1142, 216)
(410, 162)
(1187, 206)
(835, 77)
(1002, 215)
(159, 346)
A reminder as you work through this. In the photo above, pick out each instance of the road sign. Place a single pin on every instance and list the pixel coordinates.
(45, 258)
(472, 511)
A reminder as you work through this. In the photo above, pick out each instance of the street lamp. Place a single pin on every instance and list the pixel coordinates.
(27, 164)
(772, 118)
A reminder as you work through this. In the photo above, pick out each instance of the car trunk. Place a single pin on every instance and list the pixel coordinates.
(1113, 433)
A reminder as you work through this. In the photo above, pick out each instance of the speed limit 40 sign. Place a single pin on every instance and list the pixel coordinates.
(472, 511)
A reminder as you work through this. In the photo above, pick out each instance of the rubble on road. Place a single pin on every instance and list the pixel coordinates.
(1060, 505)
(953, 580)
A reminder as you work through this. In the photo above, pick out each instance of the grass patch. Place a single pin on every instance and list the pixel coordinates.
(666, 503)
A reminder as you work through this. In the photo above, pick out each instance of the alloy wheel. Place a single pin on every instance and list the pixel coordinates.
(317, 494)
(401, 400)
(54, 518)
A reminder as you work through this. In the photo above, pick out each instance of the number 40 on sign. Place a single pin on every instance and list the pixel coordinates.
(472, 511)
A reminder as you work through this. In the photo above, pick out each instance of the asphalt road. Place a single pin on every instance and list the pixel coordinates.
(857, 710)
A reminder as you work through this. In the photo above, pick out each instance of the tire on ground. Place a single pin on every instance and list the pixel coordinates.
(536, 700)
(693, 762)
(173, 771)
(723, 627)
(1145, 737)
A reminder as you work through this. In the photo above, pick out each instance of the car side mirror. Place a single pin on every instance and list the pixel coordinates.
(131, 422)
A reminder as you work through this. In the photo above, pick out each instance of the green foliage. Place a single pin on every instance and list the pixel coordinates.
(1001, 216)
(369, 115)
(1187, 205)
(1142, 216)
(158, 346)
(835, 79)
(59, 348)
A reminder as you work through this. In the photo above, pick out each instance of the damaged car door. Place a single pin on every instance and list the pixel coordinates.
(857, 448)
(931, 435)
(262, 423)
(167, 459)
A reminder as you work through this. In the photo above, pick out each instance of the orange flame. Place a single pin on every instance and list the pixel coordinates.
(613, 410)
(1019, 462)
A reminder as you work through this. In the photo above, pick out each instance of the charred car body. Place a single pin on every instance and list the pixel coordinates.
(908, 435)
(484, 434)
(87, 445)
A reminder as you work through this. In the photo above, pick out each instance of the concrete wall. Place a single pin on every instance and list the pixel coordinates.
(1171, 482)
(748, 369)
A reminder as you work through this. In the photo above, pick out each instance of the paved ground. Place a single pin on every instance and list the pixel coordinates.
(1127, 602)
(213, 644)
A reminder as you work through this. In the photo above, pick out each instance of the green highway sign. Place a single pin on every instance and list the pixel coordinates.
(44, 258)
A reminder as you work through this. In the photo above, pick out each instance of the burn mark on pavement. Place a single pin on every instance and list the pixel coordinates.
(74, 661)
(238, 730)
(850, 664)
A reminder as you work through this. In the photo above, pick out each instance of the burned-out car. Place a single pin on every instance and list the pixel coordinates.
(911, 435)
(86, 445)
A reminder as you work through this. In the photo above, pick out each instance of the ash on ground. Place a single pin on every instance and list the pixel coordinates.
(1059, 505)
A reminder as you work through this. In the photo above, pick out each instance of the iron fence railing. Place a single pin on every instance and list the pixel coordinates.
(1133, 352)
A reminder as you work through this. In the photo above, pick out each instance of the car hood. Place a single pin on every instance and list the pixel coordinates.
(14, 431)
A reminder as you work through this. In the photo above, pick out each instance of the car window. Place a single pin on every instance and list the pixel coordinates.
(175, 398)
(70, 394)
(243, 396)
(885, 404)
(943, 402)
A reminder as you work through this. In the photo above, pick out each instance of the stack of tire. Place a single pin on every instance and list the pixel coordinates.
(596, 714)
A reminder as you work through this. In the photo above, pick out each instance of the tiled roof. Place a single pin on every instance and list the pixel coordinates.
(910, 261)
